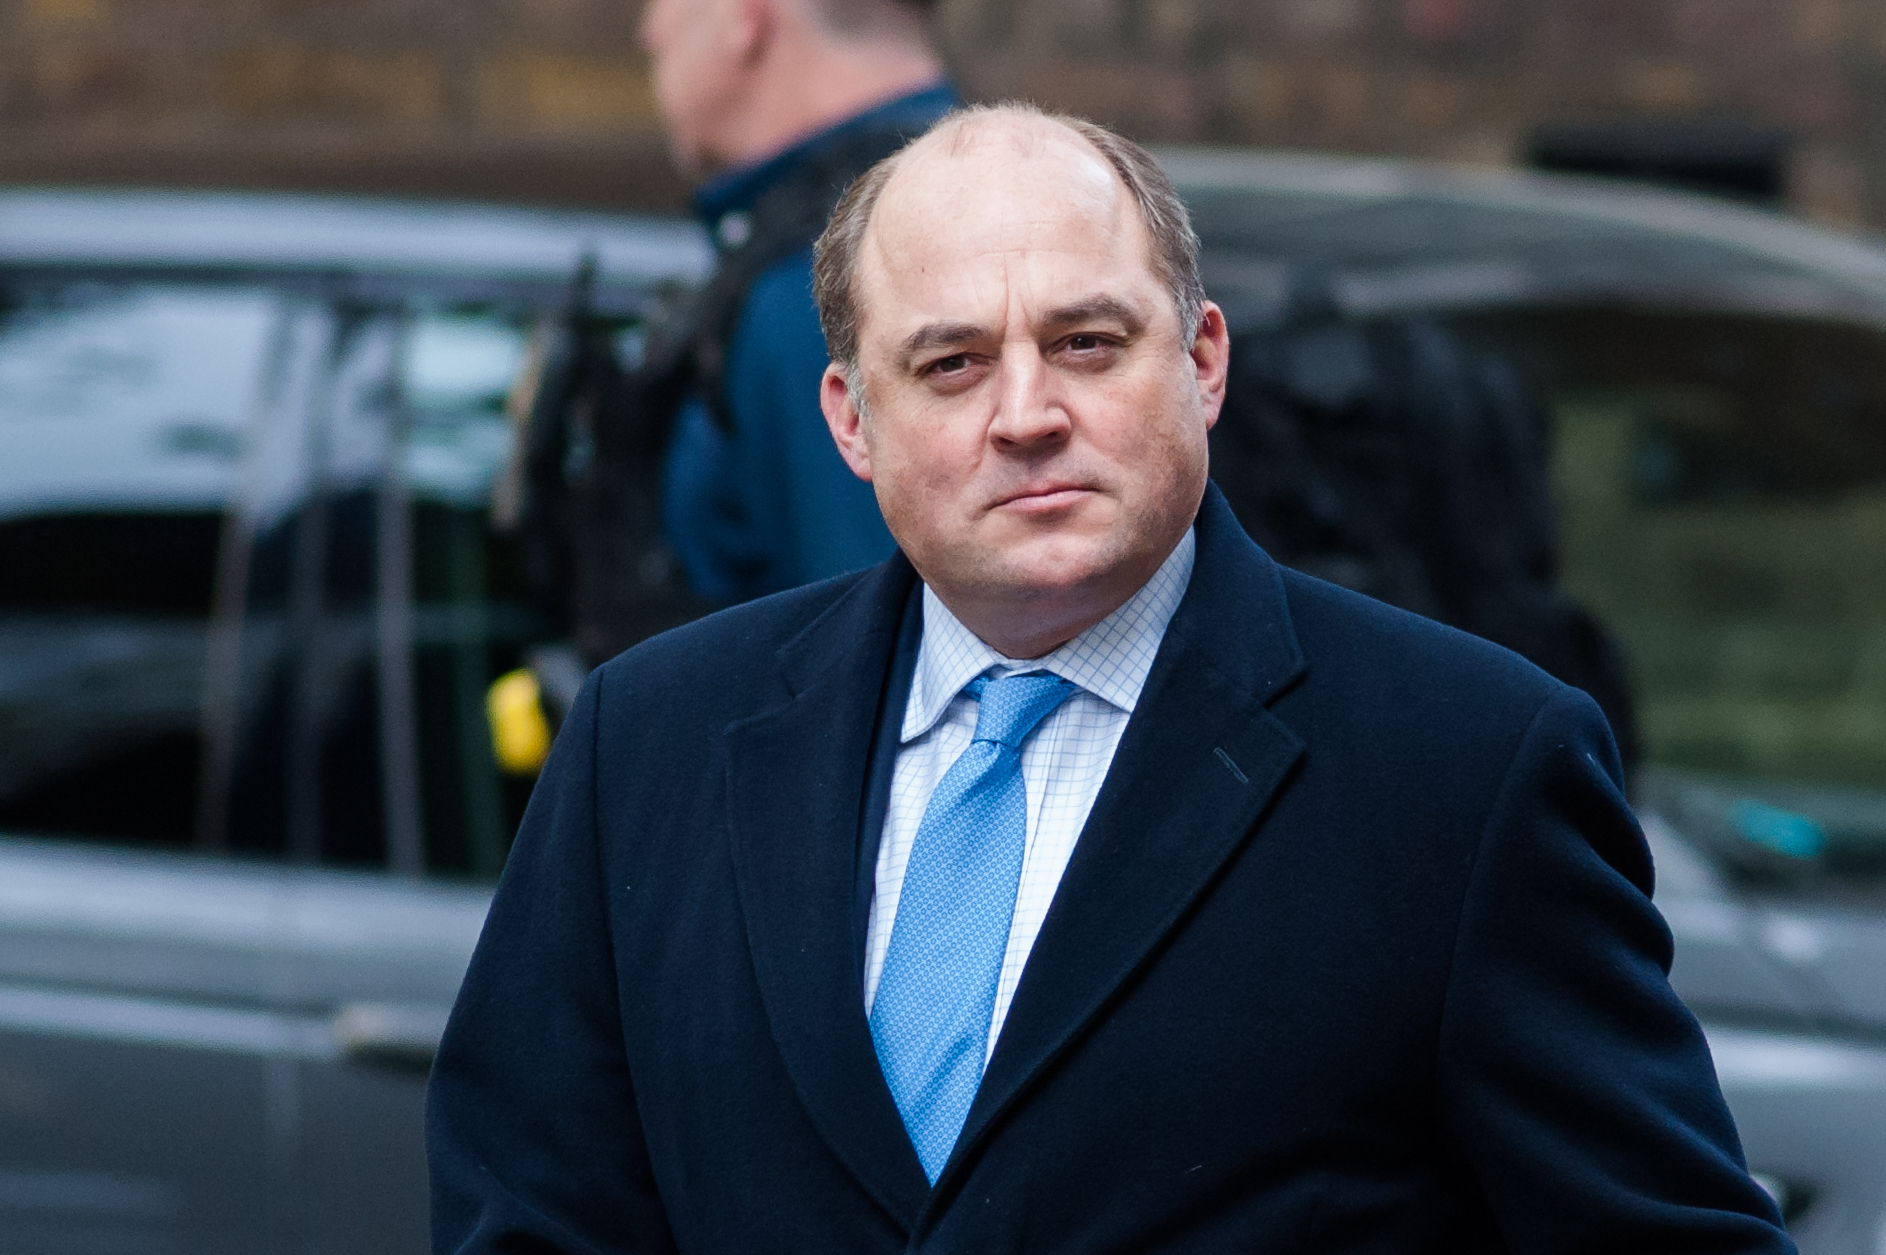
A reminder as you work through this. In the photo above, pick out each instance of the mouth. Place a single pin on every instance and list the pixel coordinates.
(1044, 498)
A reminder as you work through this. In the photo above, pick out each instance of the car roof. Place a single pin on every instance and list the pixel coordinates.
(153, 427)
(1405, 235)
(277, 233)
(1399, 235)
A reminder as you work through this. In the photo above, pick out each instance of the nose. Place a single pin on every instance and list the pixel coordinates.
(1030, 416)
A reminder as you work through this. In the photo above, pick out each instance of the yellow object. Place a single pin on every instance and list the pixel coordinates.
(520, 734)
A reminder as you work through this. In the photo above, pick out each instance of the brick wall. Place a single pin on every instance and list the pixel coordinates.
(1456, 79)
(535, 99)
(549, 100)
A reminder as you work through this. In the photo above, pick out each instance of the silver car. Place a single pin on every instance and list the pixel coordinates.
(250, 607)
(251, 602)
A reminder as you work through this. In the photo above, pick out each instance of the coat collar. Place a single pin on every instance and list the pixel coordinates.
(1198, 766)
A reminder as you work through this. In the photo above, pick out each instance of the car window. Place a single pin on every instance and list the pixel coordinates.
(475, 619)
(1722, 483)
(250, 596)
(460, 366)
(121, 411)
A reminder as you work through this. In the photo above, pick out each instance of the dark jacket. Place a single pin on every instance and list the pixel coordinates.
(1356, 954)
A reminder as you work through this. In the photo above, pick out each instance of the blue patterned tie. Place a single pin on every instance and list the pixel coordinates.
(930, 1020)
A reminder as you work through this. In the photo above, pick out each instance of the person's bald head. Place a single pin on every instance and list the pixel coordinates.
(738, 80)
(988, 138)
(1025, 367)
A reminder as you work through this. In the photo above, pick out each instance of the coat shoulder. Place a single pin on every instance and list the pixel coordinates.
(1424, 728)
(737, 647)
(1393, 658)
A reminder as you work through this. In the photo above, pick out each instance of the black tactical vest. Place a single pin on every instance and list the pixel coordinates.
(591, 515)
(1391, 458)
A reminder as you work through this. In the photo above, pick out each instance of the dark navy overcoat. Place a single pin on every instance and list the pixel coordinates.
(1355, 954)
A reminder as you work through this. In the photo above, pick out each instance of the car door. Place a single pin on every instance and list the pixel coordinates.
(250, 810)
(202, 1056)
(140, 1058)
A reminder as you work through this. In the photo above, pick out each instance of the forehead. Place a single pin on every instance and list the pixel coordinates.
(973, 211)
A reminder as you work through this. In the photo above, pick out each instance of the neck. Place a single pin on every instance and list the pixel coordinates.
(1036, 623)
(1023, 645)
(805, 85)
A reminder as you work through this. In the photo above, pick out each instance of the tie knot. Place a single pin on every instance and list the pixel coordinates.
(1014, 704)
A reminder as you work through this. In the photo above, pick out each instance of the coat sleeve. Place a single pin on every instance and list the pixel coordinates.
(1580, 1087)
(532, 1132)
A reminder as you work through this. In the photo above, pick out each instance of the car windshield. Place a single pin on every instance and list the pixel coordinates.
(199, 484)
(1722, 486)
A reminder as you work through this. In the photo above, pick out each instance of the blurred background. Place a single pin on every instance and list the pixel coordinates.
(1563, 321)
(549, 100)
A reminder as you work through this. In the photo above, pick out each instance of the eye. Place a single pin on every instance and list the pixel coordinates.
(948, 365)
(1089, 350)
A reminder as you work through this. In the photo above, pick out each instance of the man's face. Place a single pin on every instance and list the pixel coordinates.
(1035, 426)
(699, 49)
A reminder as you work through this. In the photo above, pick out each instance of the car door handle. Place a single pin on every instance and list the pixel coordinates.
(399, 1036)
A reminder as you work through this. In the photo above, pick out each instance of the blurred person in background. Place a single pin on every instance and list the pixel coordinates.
(693, 471)
(777, 105)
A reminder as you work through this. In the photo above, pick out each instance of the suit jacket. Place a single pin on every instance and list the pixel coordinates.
(1356, 954)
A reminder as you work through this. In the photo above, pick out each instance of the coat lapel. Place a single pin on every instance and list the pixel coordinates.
(795, 787)
(1196, 770)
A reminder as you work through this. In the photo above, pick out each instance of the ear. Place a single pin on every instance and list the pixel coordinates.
(1211, 359)
(845, 420)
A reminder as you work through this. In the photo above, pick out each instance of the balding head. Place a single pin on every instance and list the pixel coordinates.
(1017, 295)
(1024, 131)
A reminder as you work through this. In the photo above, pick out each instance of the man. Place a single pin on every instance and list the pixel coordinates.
(1077, 880)
(783, 103)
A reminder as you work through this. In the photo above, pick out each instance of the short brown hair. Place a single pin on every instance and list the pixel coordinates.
(1168, 225)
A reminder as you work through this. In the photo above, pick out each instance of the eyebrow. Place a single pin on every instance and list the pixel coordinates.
(1096, 309)
(939, 335)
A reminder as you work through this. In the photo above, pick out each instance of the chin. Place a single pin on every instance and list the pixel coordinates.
(1061, 565)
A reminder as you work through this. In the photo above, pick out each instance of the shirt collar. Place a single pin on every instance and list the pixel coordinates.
(1111, 659)
(742, 186)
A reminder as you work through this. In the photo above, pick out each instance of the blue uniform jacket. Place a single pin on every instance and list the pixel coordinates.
(767, 504)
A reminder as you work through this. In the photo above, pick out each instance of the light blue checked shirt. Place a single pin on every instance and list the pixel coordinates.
(1063, 763)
